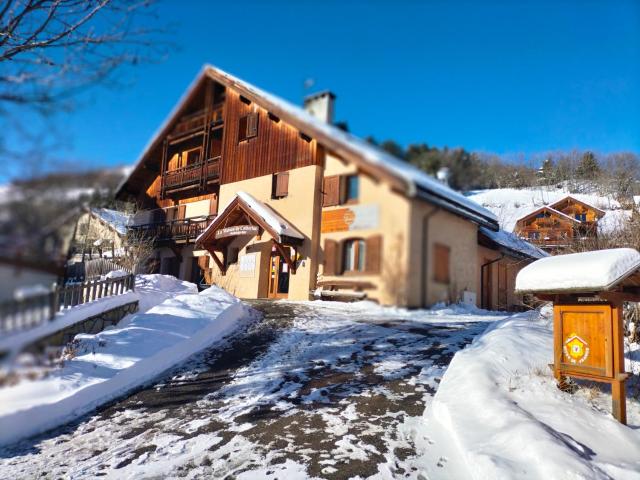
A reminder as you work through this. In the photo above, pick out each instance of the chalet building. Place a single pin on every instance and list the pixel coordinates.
(244, 190)
(558, 225)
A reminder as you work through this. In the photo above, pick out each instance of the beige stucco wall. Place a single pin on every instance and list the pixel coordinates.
(445, 228)
(394, 218)
(298, 208)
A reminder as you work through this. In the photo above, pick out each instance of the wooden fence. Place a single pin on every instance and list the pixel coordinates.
(32, 311)
(91, 269)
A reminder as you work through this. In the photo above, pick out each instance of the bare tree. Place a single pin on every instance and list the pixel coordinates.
(139, 247)
(53, 50)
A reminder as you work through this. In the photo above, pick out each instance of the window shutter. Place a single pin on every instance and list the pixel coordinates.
(182, 209)
(213, 206)
(331, 191)
(441, 263)
(331, 256)
(282, 184)
(252, 125)
(373, 254)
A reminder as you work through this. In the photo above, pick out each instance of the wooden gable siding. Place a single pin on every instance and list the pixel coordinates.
(571, 208)
(277, 147)
(552, 229)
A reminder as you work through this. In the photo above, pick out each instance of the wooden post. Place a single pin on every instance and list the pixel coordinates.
(53, 306)
(618, 390)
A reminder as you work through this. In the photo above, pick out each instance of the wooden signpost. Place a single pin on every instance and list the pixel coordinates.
(588, 344)
(588, 290)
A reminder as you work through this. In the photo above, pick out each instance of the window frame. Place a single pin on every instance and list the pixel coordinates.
(359, 254)
(347, 190)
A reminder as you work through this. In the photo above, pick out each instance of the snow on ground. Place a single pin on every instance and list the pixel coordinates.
(505, 419)
(510, 204)
(314, 390)
(108, 364)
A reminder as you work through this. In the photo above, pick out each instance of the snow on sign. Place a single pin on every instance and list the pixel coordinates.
(588, 290)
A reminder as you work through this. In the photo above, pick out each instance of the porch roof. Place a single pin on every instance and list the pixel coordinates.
(263, 215)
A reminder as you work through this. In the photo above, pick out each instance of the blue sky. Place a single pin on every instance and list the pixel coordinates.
(506, 77)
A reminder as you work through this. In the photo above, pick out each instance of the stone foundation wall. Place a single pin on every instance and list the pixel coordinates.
(93, 324)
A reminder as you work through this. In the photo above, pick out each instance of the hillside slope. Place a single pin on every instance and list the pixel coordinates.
(509, 204)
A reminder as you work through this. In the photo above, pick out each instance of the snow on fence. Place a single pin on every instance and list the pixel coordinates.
(16, 315)
(91, 269)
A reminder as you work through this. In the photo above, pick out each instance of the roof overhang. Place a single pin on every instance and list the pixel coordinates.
(338, 142)
(227, 226)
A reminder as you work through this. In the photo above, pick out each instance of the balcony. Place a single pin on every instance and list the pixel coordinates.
(179, 231)
(198, 174)
(195, 122)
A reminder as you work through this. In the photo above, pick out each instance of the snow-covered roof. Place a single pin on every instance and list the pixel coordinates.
(116, 219)
(571, 198)
(578, 272)
(551, 210)
(417, 182)
(277, 224)
(512, 242)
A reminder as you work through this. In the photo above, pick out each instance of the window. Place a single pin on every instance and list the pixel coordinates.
(441, 263)
(193, 156)
(352, 189)
(280, 185)
(534, 235)
(354, 255)
(581, 217)
(248, 127)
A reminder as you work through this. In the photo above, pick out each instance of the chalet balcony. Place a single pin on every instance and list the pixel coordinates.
(195, 122)
(197, 174)
(178, 231)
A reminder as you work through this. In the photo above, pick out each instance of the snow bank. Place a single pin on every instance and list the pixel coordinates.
(15, 342)
(596, 270)
(502, 417)
(112, 362)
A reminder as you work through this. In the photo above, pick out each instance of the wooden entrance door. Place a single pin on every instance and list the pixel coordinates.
(278, 276)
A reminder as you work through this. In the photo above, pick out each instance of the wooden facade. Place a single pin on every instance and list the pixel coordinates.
(558, 225)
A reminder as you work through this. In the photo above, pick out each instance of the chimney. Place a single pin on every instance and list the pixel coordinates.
(320, 105)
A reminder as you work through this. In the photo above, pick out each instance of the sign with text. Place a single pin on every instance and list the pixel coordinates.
(236, 231)
(357, 217)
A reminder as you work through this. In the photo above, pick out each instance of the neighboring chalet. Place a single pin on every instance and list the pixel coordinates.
(558, 225)
(100, 233)
(268, 200)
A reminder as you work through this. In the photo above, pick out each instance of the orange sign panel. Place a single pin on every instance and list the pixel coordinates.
(357, 217)
(583, 339)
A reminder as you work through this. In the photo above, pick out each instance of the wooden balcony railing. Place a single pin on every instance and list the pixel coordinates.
(191, 175)
(197, 120)
(186, 230)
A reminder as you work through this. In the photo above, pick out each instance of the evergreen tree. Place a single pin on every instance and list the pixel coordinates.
(588, 167)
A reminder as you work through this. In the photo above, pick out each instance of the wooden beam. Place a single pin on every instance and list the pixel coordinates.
(287, 258)
(220, 264)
